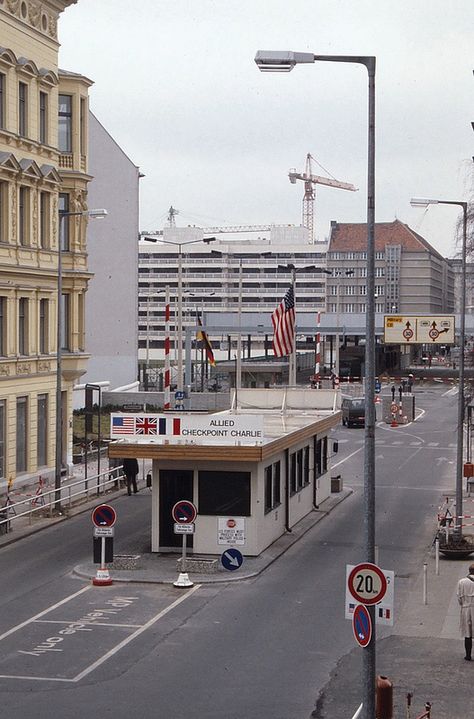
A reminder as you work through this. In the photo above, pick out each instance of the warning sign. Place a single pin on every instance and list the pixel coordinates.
(231, 530)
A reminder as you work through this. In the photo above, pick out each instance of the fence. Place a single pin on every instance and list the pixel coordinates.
(47, 500)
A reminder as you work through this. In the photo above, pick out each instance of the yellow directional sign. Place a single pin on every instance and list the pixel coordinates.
(425, 329)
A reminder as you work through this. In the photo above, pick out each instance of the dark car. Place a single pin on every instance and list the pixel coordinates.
(353, 412)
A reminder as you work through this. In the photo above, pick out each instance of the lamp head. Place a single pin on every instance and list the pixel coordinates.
(207, 240)
(96, 214)
(280, 60)
(422, 202)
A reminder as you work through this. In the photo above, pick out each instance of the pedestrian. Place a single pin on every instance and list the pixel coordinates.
(465, 594)
(130, 470)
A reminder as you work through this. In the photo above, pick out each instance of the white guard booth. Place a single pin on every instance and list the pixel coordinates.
(253, 471)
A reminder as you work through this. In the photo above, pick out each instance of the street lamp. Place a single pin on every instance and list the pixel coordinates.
(271, 61)
(179, 328)
(422, 202)
(63, 215)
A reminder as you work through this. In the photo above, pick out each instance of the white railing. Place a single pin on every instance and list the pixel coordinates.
(47, 499)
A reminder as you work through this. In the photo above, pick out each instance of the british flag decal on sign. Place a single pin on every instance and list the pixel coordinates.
(146, 425)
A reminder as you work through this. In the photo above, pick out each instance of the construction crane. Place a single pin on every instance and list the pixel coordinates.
(308, 198)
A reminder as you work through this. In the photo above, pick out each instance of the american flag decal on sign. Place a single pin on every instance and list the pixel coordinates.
(123, 425)
(146, 425)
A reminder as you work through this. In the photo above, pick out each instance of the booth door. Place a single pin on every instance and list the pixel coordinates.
(175, 484)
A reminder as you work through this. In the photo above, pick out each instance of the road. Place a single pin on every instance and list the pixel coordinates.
(258, 648)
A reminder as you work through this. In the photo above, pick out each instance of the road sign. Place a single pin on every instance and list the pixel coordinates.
(362, 625)
(367, 583)
(394, 407)
(232, 559)
(412, 329)
(104, 516)
(184, 512)
(383, 609)
(104, 531)
(184, 528)
(179, 395)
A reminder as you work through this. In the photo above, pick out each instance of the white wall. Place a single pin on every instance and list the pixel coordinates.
(111, 300)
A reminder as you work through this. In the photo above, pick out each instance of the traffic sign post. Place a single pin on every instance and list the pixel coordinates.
(103, 518)
(184, 513)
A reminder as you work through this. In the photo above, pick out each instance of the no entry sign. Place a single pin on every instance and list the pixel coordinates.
(104, 516)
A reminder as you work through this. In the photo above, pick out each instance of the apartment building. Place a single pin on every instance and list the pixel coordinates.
(43, 171)
(411, 277)
(248, 269)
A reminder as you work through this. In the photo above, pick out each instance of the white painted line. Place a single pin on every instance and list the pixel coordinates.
(45, 611)
(88, 624)
(333, 466)
(133, 636)
(35, 679)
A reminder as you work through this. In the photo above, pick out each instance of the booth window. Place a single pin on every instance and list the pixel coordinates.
(321, 464)
(293, 473)
(299, 469)
(272, 486)
(224, 493)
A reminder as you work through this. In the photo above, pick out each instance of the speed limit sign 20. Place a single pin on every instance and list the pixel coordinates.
(367, 583)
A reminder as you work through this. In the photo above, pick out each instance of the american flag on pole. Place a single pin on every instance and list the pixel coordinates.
(283, 320)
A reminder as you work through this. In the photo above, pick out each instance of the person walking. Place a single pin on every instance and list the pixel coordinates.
(130, 470)
(465, 594)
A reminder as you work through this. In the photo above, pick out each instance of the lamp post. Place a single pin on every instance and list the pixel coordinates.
(179, 323)
(93, 214)
(422, 202)
(276, 61)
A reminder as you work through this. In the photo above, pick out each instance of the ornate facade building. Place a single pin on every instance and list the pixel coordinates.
(43, 171)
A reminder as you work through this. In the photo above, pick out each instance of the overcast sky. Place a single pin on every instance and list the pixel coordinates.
(177, 87)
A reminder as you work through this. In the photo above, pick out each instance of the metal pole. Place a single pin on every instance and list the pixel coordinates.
(462, 341)
(292, 358)
(369, 446)
(98, 443)
(179, 381)
(238, 368)
(337, 338)
(59, 418)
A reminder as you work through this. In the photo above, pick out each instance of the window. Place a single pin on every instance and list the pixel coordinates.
(293, 473)
(224, 493)
(321, 460)
(44, 220)
(81, 322)
(306, 465)
(21, 433)
(23, 326)
(2, 101)
(379, 290)
(350, 289)
(22, 109)
(64, 329)
(23, 215)
(42, 431)
(43, 118)
(379, 255)
(333, 291)
(362, 271)
(2, 438)
(380, 272)
(83, 136)
(349, 307)
(64, 221)
(3, 326)
(272, 486)
(43, 326)
(3, 211)
(362, 289)
(65, 123)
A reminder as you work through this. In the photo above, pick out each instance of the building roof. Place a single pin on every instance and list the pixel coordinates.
(352, 237)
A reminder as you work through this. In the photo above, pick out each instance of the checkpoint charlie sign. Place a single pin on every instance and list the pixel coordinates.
(225, 428)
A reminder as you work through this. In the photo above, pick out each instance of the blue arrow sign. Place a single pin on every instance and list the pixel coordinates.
(232, 559)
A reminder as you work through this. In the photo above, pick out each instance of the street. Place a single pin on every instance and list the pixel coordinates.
(258, 648)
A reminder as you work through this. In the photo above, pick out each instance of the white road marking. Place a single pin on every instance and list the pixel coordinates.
(45, 611)
(333, 466)
(133, 636)
(90, 624)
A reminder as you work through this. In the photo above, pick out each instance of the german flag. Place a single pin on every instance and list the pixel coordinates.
(201, 335)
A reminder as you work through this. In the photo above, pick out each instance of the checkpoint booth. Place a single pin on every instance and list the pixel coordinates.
(253, 471)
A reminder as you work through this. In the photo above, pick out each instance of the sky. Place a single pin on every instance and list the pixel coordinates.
(176, 85)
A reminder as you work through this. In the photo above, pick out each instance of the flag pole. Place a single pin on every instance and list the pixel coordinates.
(292, 366)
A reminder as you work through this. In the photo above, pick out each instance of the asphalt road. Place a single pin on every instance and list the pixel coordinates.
(259, 648)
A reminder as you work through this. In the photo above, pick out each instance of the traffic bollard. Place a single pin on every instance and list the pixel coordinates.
(383, 698)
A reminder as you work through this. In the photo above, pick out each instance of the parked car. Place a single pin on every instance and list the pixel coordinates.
(353, 411)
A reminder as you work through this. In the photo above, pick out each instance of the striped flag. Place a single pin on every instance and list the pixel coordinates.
(123, 425)
(283, 320)
(201, 335)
